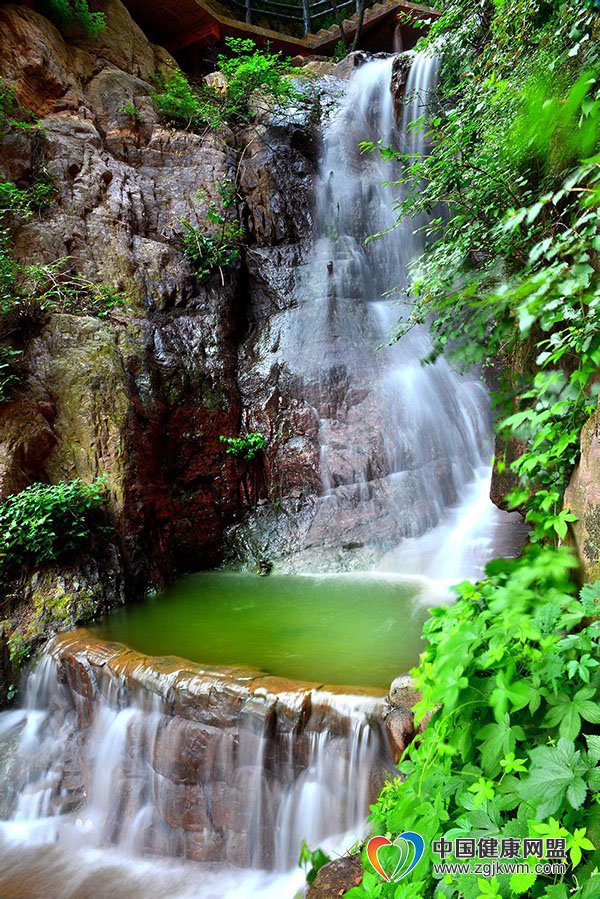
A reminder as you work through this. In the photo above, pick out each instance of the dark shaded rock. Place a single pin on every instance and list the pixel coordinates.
(350, 62)
(400, 72)
(400, 730)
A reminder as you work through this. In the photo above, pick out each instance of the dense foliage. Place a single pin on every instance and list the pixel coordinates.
(215, 245)
(74, 17)
(46, 521)
(244, 77)
(512, 748)
(510, 188)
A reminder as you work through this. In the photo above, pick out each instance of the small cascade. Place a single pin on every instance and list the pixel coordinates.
(153, 757)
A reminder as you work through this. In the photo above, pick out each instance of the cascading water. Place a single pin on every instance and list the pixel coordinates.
(119, 769)
(405, 447)
(116, 758)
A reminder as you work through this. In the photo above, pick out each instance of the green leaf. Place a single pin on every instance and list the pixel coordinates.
(576, 792)
(499, 739)
(553, 771)
(522, 883)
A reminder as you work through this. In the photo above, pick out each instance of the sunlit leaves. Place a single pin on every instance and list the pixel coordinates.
(558, 774)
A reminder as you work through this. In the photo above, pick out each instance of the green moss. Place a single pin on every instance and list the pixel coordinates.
(60, 610)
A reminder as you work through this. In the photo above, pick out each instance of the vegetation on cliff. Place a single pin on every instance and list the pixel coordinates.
(242, 77)
(30, 291)
(47, 521)
(74, 17)
(219, 248)
(510, 676)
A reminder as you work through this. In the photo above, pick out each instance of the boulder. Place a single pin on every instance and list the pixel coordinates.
(402, 693)
(400, 730)
(336, 878)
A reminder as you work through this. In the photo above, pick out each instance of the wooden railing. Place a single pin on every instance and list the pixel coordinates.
(304, 12)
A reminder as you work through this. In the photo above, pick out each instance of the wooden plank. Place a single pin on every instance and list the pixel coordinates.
(181, 23)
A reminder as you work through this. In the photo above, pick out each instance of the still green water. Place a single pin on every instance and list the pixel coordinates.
(343, 629)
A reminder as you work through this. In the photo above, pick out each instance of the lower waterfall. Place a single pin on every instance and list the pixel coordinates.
(147, 758)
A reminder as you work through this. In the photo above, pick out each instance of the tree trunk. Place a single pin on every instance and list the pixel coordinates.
(359, 25)
(340, 24)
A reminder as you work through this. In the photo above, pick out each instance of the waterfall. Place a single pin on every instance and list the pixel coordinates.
(122, 769)
(404, 446)
(117, 757)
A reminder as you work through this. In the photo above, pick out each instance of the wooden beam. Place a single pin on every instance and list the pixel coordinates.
(178, 24)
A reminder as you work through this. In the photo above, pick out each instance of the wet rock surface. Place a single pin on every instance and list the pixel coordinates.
(211, 764)
(144, 394)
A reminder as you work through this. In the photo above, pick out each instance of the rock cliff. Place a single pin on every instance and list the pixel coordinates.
(144, 394)
(583, 498)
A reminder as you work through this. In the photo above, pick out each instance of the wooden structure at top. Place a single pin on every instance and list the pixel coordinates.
(185, 26)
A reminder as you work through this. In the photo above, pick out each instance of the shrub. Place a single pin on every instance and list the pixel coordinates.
(46, 521)
(9, 374)
(177, 101)
(511, 749)
(127, 108)
(218, 248)
(249, 72)
(74, 17)
(53, 287)
(247, 75)
(17, 204)
(244, 447)
(11, 113)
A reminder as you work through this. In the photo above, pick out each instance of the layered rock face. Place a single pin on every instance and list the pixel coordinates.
(281, 345)
(163, 757)
(143, 395)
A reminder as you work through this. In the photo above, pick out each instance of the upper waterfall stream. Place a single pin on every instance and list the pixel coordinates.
(126, 775)
(405, 447)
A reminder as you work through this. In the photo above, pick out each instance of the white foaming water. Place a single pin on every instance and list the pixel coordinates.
(98, 772)
(404, 445)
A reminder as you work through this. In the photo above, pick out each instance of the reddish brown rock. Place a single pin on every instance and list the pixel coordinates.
(204, 846)
(336, 878)
(26, 440)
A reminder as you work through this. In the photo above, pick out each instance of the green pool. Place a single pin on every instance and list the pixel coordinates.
(343, 629)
